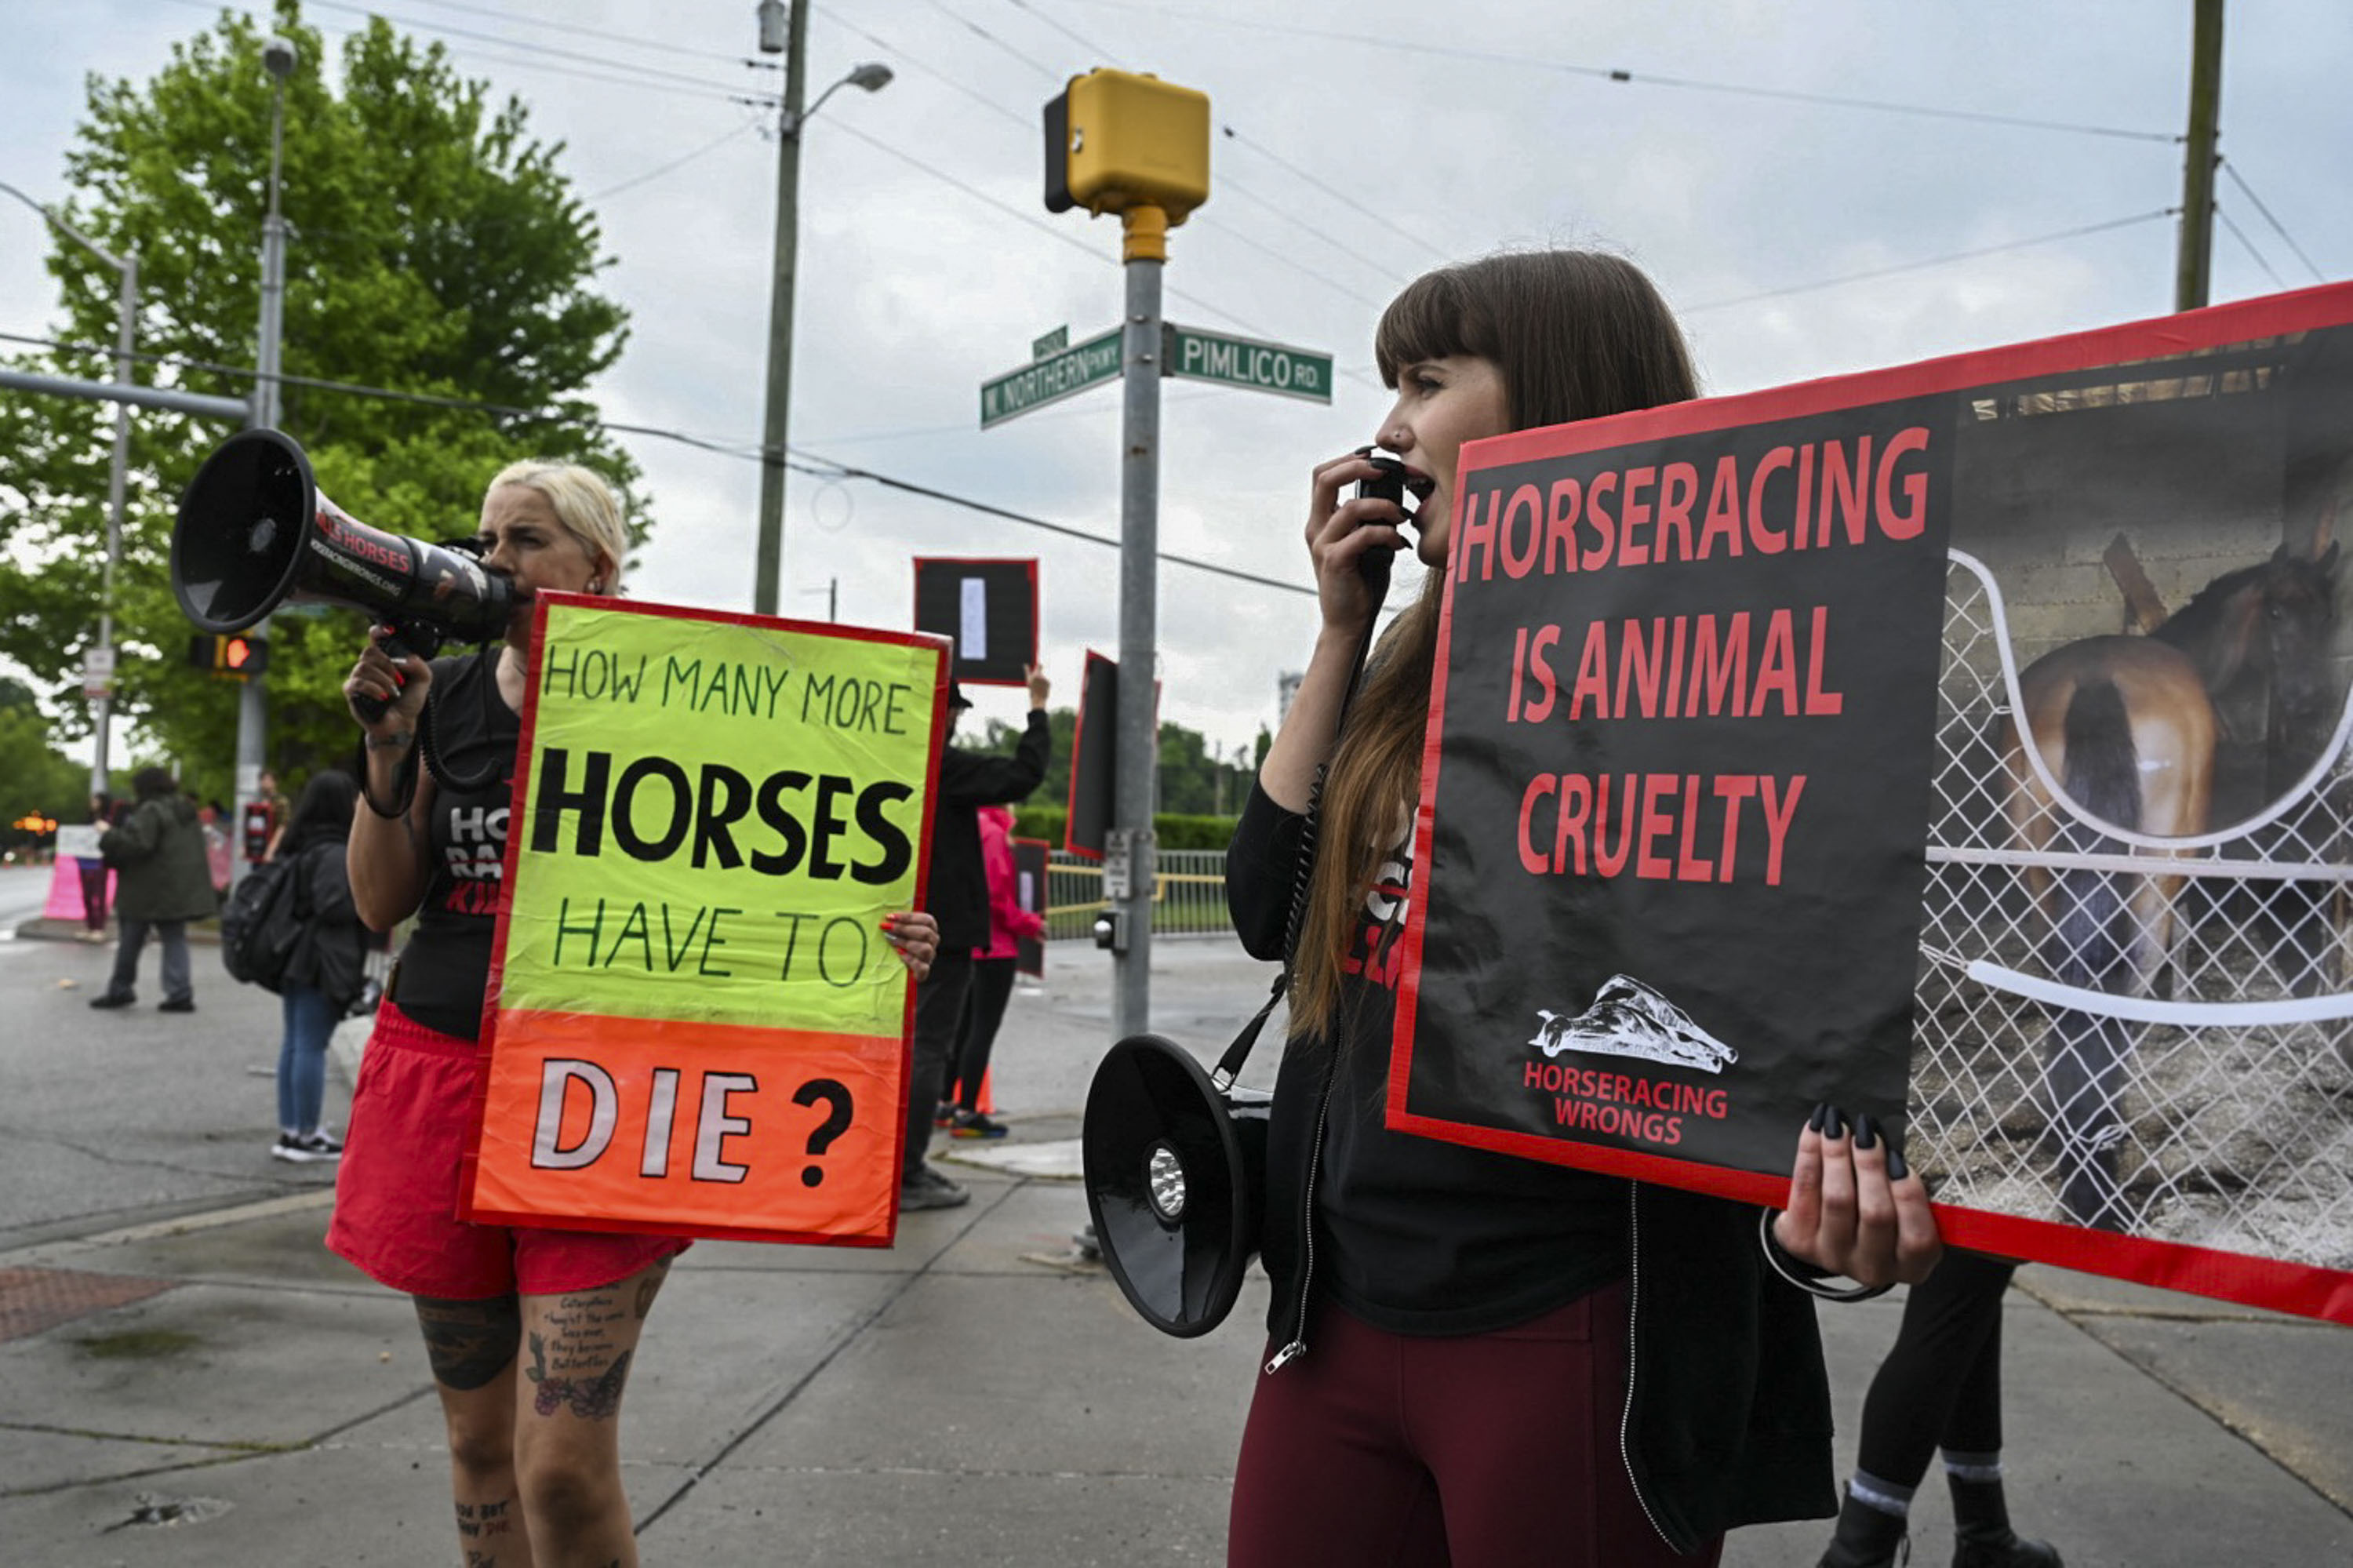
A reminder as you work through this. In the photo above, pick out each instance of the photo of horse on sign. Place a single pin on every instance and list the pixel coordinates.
(2132, 1013)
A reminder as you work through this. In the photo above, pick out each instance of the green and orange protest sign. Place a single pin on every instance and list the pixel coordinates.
(695, 1023)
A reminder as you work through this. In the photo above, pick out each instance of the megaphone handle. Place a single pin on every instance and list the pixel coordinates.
(373, 709)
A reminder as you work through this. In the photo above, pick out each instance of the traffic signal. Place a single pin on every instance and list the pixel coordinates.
(233, 655)
(1116, 139)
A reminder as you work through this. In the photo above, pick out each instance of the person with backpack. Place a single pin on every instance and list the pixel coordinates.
(324, 971)
(162, 882)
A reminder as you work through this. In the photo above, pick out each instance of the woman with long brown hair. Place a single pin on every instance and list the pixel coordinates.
(1474, 1358)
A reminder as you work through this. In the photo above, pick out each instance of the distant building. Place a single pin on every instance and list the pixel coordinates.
(1286, 687)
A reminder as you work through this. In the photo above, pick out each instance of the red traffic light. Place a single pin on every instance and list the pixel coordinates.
(242, 654)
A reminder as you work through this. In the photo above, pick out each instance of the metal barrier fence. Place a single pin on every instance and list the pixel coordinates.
(1188, 895)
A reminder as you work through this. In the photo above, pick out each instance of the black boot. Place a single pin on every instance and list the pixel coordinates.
(1867, 1536)
(1981, 1534)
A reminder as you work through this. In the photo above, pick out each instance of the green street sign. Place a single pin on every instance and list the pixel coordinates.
(1050, 380)
(1196, 355)
(1052, 344)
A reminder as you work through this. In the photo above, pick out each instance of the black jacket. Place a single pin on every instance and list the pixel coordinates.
(331, 956)
(1728, 1416)
(957, 891)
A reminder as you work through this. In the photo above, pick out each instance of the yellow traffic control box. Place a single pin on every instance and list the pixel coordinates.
(1117, 139)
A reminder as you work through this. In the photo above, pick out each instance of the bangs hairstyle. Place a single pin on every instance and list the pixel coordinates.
(1576, 336)
(584, 503)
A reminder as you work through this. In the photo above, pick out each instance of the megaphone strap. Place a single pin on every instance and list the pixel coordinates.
(444, 775)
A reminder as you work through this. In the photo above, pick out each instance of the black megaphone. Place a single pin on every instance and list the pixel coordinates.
(254, 532)
(1176, 1178)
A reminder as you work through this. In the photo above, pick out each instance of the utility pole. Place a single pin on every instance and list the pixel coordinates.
(769, 566)
(1131, 857)
(98, 668)
(786, 29)
(2194, 270)
(253, 702)
(1137, 146)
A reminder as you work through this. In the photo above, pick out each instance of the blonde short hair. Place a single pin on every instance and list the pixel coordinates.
(584, 503)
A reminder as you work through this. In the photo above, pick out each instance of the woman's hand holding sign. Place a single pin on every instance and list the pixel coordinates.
(1854, 1209)
(916, 936)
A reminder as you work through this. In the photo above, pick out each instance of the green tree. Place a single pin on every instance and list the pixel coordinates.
(36, 780)
(436, 248)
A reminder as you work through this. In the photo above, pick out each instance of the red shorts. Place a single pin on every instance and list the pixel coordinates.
(396, 1193)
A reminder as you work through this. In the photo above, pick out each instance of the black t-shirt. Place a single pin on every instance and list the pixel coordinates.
(446, 968)
(1412, 1234)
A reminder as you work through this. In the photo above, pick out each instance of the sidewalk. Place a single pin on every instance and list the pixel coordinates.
(216, 1388)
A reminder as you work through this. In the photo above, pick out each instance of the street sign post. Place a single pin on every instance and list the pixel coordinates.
(1196, 355)
(1052, 380)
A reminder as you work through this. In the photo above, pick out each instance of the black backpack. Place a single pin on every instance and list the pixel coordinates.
(262, 923)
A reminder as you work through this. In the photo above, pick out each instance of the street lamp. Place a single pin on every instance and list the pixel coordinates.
(787, 34)
(98, 668)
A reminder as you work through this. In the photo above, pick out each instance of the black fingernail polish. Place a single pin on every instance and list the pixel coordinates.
(1867, 1132)
(1815, 1120)
(1833, 1122)
(1896, 1168)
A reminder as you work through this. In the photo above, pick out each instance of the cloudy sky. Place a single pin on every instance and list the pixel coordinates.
(1819, 186)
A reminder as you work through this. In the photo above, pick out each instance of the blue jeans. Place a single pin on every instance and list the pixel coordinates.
(302, 1057)
(177, 987)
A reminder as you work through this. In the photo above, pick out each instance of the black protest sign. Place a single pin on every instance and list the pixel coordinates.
(1094, 747)
(987, 608)
(1030, 861)
(1670, 836)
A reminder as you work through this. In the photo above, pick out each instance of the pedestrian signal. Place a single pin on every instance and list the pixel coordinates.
(1116, 139)
(235, 654)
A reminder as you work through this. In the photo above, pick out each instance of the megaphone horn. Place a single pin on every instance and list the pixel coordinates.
(1175, 1176)
(253, 532)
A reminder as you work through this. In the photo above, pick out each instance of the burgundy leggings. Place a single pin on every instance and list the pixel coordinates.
(1380, 1450)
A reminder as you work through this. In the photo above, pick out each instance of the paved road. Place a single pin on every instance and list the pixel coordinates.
(218, 1390)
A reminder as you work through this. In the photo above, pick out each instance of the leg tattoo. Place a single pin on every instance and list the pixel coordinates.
(470, 1342)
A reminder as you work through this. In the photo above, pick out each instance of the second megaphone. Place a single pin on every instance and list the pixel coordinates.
(254, 532)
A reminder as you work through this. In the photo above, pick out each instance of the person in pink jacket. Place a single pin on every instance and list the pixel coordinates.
(992, 980)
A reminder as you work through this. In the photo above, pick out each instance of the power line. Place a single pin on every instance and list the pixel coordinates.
(1353, 204)
(678, 162)
(630, 67)
(1423, 47)
(748, 454)
(2241, 236)
(1061, 236)
(571, 27)
(983, 33)
(1031, 123)
(1930, 262)
(1091, 48)
(842, 471)
(2248, 191)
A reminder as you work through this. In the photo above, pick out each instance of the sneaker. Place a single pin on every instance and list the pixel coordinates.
(305, 1147)
(113, 999)
(976, 1124)
(178, 1004)
(927, 1189)
(943, 1114)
